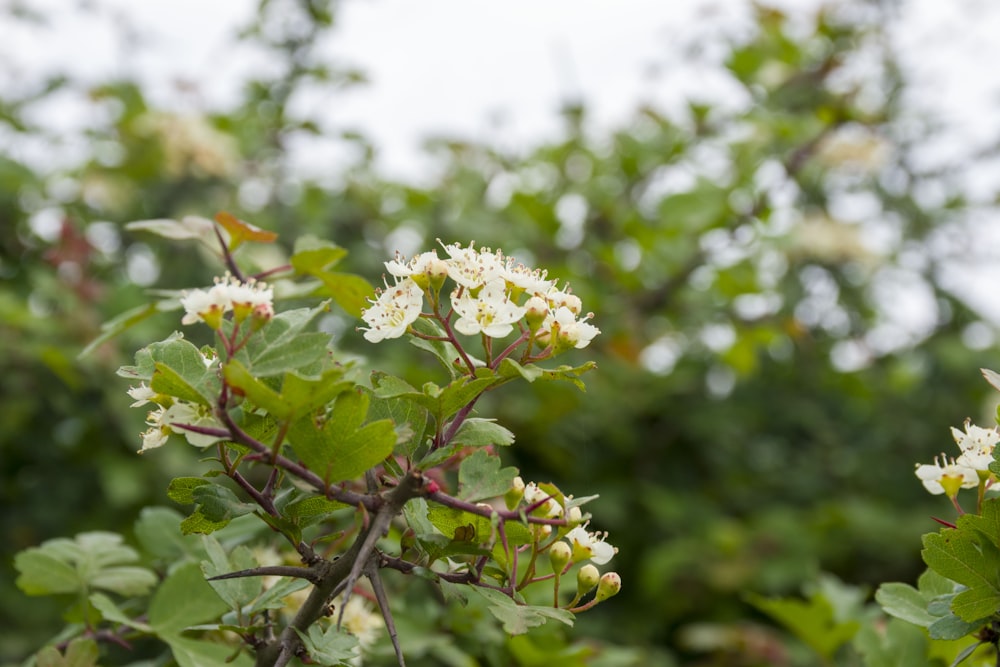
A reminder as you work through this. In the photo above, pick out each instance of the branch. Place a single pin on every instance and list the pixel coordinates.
(307, 573)
(339, 574)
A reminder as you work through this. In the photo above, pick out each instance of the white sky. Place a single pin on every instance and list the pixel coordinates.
(481, 70)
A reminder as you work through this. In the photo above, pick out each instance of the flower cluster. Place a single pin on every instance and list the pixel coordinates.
(492, 295)
(244, 299)
(169, 413)
(971, 467)
(583, 545)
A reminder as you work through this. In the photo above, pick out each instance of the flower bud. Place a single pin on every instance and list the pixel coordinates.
(609, 586)
(514, 494)
(261, 315)
(559, 555)
(436, 272)
(574, 515)
(536, 310)
(587, 578)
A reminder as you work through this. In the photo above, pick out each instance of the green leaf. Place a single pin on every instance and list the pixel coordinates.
(900, 644)
(477, 432)
(329, 647)
(124, 322)
(158, 533)
(968, 554)
(951, 627)
(182, 600)
(518, 619)
(313, 255)
(177, 368)
(341, 448)
(812, 621)
(111, 613)
(905, 602)
(198, 524)
(196, 653)
(90, 560)
(510, 369)
(235, 592)
(350, 291)
(284, 345)
(480, 477)
(297, 396)
(308, 509)
(181, 489)
(217, 503)
(444, 351)
(79, 653)
(409, 418)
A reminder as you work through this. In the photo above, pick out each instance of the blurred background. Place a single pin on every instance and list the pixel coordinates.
(784, 216)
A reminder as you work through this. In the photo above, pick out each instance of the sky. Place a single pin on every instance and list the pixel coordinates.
(485, 71)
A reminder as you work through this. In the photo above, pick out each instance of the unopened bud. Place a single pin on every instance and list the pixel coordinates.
(574, 515)
(609, 586)
(437, 272)
(587, 578)
(559, 555)
(535, 311)
(261, 315)
(514, 494)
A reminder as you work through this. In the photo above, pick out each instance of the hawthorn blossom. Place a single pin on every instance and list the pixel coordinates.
(206, 306)
(141, 395)
(569, 331)
(473, 268)
(395, 309)
(977, 445)
(566, 299)
(946, 476)
(164, 421)
(525, 279)
(550, 508)
(251, 298)
(228, 294)
(491, 311)
(590, 546)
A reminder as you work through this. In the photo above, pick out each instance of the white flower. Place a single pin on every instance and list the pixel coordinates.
(490, 312)
(946, 476)
(162, 423)
(564, 299)
(471, 268)
(205, 306)
(395, 309)
(425, 263)
(590, 546)
(227, 294)
(526, 279)
(157, 433)
(250, 297)
(569, 331)
(141, 394)
(191, 414)
(977, 445)
(550, 508)
(361, 621)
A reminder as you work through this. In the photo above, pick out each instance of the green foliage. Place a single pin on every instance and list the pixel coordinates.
(815, 621)
(96, 560)
(968, 554)
(743, 457)
(517, 618)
